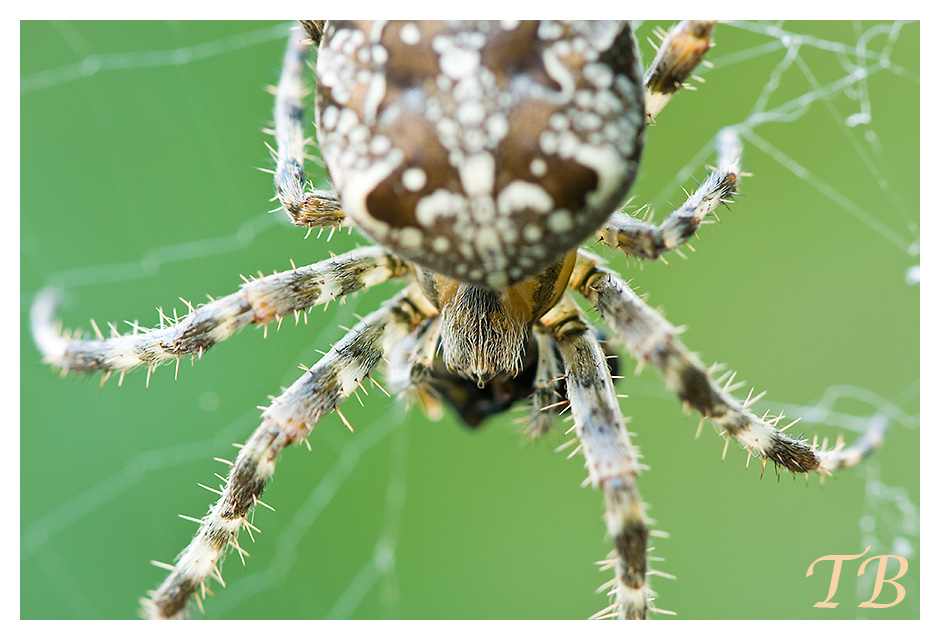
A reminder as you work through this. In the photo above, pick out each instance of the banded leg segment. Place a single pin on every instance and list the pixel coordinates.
(682, 49)
(545, 397)
(258, 301)
(608, 454)
(411, 362)
(650, 338)
(305, 208)
(642, 239)
(290, 417)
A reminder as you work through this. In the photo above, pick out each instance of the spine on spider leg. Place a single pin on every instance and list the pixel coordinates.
(290, 418)
(642, 239)
(305, 208)
(259, 301)
(609, 458)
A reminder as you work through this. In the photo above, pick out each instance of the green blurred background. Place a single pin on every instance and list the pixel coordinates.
(139, 143)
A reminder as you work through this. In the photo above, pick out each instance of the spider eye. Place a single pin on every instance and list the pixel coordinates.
(485, 151)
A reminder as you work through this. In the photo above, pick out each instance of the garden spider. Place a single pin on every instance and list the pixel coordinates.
(411, 317)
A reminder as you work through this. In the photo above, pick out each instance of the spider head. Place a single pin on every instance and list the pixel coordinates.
(484, 151)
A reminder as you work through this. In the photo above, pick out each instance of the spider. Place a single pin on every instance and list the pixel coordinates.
(486, 318)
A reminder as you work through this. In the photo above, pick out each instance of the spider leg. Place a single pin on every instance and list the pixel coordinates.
(258, 301)
(314, 29)
(608, 454)
(642, 239)
(681, 50)
(305, 208)
(289, 418)
(546, 400)
(650, 338)
(411, 362)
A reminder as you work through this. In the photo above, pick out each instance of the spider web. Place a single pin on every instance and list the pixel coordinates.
(148, 134)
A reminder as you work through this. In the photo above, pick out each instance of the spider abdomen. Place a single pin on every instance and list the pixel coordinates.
(484, 151)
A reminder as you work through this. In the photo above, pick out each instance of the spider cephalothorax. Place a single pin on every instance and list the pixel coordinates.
(478, 156)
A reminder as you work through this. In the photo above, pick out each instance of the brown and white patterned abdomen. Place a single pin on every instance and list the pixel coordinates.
(482, 151)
